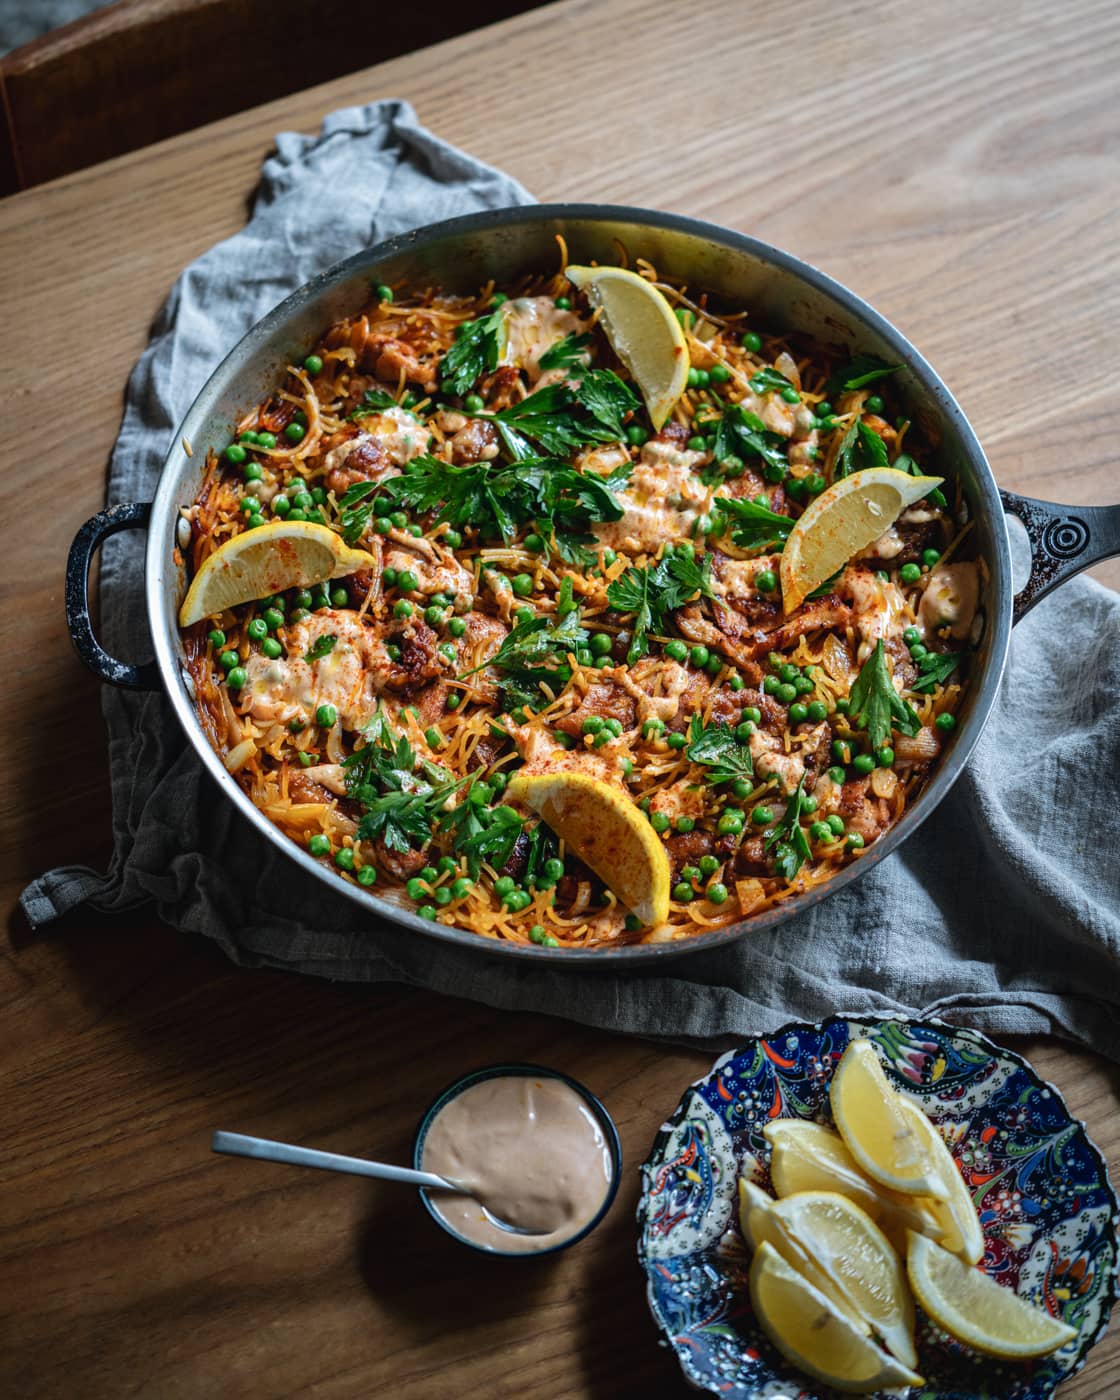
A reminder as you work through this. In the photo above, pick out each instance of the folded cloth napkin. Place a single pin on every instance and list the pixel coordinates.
(1002, 912)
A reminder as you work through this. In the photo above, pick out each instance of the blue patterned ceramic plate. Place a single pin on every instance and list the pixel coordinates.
(1039, 1184)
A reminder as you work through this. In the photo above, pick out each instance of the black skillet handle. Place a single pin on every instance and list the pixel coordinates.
(86, 542)
(1064, 540)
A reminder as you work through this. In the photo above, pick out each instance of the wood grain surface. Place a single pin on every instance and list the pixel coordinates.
(955, 164)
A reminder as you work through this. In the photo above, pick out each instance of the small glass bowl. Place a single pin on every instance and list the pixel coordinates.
(606, 1122)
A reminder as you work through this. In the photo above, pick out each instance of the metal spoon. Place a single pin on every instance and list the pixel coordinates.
(238, 1145)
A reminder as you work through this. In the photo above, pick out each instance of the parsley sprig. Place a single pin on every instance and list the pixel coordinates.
(722, 754)
(569, 351)
(533, 653)
(770, 381)
(475, 353)
(751, 526)
(562, 418)
(481, 833)
(875, 704)
(400, 794)
(861, 371)
(936, 667)
(657, 590)
(860, 447)
(374, 401)
(788, 839)
(323, 647)
(743, 434)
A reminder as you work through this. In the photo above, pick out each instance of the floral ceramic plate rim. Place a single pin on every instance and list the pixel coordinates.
(693, 1256)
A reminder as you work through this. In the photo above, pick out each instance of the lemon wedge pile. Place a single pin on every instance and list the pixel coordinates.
(607, 832)
(643, 332)
(841, 522)
(827, 1281)
(269, 559)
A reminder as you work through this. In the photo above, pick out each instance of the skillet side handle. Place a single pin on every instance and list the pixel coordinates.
(1064, 540)
(86, 542)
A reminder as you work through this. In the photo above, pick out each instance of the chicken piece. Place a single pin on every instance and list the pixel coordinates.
(328, 776)
(608, 701)
(391, 359)
(349, 676)
(827, 612)
(401, 864)
(360, 458)
(951, 595)
(662, 500)
(771, 760)
(879, 609)
(542, 754)
(477, 441)
(435, 571)
(657, 689)
(686, 847)
(863, 813)
(483, 637)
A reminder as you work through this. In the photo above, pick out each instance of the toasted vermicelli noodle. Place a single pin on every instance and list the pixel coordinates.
(553, 587)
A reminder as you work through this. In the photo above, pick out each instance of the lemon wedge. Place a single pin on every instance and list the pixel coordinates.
(643, 332)
(608, 833)
(978, 1311)
(761, 1224)
(841, 522)
(876, 1130)
(807, 1156)
(958, 1227)
(812, 1334)
(848, 1248)
(255, 563)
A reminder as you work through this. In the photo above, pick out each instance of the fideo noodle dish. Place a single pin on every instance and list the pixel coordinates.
(581, 611)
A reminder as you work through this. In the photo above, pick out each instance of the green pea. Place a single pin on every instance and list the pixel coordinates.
(564, 740)
(744, 730)
(553, 870)
(816, 711)
(367, 875)
(584, 657)
(823, 409)
(636, 435)
(407, 581)
(536, 934)
(854, 841)
(761, 815)
(313, 364)
(820, 831)
(863, 763)
(945, 722)
(456, 626)
(228, 660)
(815, 484)
(770, 685)
(382, 292)
(297, 514)
(720, 374)
(295, 432)
(716, 893)
(685, 317)
(319, 845)
(522, 585)
(911, 636)
(689, 872)
(428, 912)
(257, 629)
(930, 558)
(216, 638)
(273, 618)
(446, 865)
(697, 444)
(803, 685)
(685, 824)
(910, 573)
(447, 651)
(752, 341)
(775, 472)
(344, 858)
(736, 682)
(271, 648)
(752, 713)
(563, 303)
(402, 608)
(699, 656)
(730, 823)
(791, 395)
(682, 893)
(841, 751)
(741, 788)
(788, 672)
(251, 506)
(442, 896)
(237, 678)
(843, 705)
(236, 454)
(809, 803)
(686, 549)
(659, 821)
(326, 715)
(452, 539)
(302, 500)
(676, 651)
(627, 766)
(873, 404)
(266, 440)
(503, 885)
(766, 580)
(837, 775)
(614, 725)
(798, 713)
(676, 741)
(786, 692)
(398, 520)
(474, 403)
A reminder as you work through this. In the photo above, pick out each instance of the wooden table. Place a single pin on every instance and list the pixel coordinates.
(955, 165)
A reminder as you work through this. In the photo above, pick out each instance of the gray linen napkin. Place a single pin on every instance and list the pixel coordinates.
(1002, 912)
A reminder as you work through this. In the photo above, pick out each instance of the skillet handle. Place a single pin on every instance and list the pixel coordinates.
(1063, 540)
(86, 542)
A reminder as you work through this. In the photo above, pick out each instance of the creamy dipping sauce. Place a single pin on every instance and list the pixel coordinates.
(531, 1149)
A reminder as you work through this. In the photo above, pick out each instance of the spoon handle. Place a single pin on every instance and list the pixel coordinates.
(238, 1145)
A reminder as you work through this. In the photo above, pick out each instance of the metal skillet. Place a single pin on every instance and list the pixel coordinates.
(461, 254)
